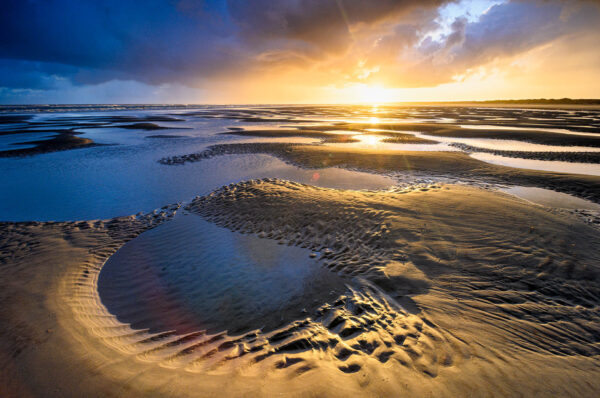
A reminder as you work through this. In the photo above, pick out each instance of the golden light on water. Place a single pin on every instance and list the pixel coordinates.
(370, 140)
(374, 110)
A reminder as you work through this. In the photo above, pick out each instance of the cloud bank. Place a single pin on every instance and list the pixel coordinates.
(198, 48)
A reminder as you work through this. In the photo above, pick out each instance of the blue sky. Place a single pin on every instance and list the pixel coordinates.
(472, 10)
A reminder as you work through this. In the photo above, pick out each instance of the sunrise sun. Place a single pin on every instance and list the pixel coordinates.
(372, 94)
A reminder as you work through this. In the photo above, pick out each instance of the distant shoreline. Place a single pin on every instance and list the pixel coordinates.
(535, 101)
(594, 102)
(538, 103)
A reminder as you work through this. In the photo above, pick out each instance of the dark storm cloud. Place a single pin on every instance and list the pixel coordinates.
(188, 42)
(163, 41)
(148, 40)
(20, 74)
(322, 24)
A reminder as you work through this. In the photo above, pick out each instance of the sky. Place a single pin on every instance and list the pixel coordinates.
(297, 51)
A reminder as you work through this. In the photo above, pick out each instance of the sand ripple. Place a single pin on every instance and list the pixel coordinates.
(355, 321)
(431, 302)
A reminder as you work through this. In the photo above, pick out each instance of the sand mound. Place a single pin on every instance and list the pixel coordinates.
(525, 271)
(354, 322)
(499, 301)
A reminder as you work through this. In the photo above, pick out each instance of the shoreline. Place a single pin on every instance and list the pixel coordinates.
(419, 163)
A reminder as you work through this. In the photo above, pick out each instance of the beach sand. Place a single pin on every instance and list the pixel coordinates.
(452, 291)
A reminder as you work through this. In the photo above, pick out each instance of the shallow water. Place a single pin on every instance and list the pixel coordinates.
(122, 176)
(371, 141)
(547, 197)
(13, 141)
(87, 184)
(190, 275)
(543, 165)
(546, 129)
(294, 140)
(508, 145)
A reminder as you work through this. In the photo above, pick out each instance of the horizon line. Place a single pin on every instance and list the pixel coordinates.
(532, 101)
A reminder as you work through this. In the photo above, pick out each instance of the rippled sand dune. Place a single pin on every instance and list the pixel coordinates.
(440, 290)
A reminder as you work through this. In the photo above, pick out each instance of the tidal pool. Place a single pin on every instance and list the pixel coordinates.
(188, 275)
(547, 197)
(543, 165)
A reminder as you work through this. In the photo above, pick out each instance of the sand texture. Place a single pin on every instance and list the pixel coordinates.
(499, 301)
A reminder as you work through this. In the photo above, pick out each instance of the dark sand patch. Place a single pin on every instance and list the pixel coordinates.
(60, 142)
(115, 119)
(65, 130)
(399, 138)
(29, 130)
(166, 136)
(143, 126)
(71, 123)
(10, 119)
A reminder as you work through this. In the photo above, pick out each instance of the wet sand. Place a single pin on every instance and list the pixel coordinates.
(437, 304)
(63, 132)
(575, 157)
(551, 126)
(417, 163)
(328, 136)
(60, 142)
(458, 131)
